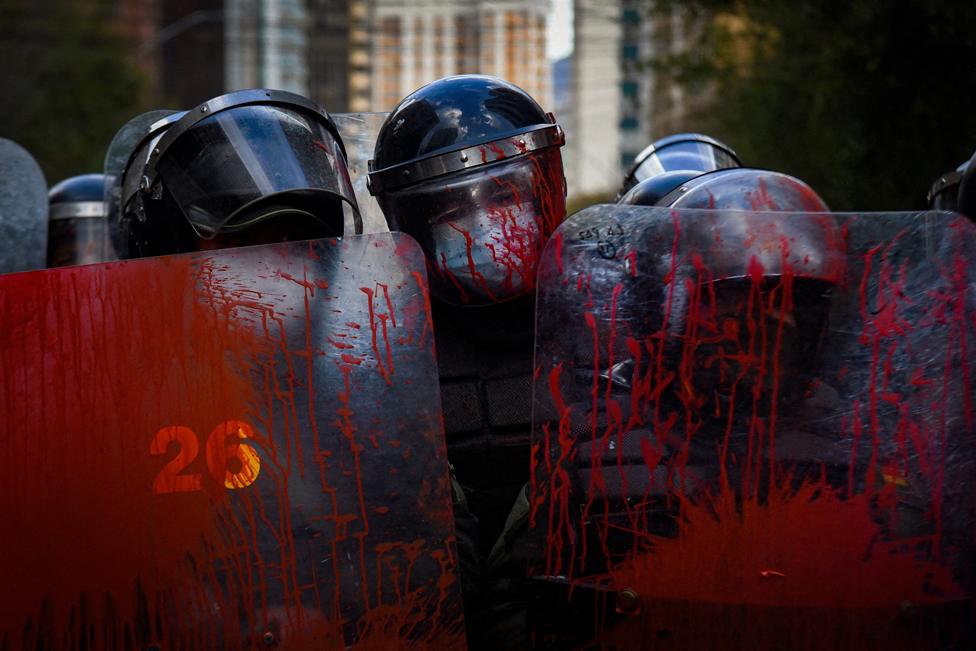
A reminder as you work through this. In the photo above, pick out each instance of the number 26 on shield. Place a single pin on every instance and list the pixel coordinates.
(232, 463)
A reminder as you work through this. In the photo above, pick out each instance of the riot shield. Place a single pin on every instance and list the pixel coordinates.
(755, 430)
(23, 210)
(126, 139)
(358, 131)
(226, 450)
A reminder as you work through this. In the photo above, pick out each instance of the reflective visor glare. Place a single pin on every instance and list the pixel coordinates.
(247, 153)
(698, 156)
(78, 241)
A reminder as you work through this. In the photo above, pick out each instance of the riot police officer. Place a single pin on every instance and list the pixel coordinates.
(247, 168)
(470, 166)
(694, 181)
(78, 230)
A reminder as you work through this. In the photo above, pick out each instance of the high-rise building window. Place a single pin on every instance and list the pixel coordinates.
(439, 38)
(511, 55)
(390, 66)
(506, 38)
(543, 72)
(464, 45)
(418, 51)
(488, 43)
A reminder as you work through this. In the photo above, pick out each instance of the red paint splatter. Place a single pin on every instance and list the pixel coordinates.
(497, 151)
(425, 293)
(98, 359)
(751, 536)
(381, 364)
(721, 551)
(630, 260)
(476, 276)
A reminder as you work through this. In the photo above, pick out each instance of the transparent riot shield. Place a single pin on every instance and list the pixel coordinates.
(23, 210)
(755, 431)
(127, 139)
(129, 142)
(226, 450)
(358, 132)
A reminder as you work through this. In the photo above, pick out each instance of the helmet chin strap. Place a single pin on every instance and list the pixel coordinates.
(255, 217)
(325, 212)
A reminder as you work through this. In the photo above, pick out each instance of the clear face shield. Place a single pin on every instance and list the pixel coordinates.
(231, 164)
(485, 217)
(231, 170)
(680, 152)
(483, 230)
(78, 234)
(700, 156)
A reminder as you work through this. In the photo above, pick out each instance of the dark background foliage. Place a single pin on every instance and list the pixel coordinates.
(68, 82)
(868, 101)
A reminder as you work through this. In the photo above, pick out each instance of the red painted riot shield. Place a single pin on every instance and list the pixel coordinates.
(755, 431)
(226, 450)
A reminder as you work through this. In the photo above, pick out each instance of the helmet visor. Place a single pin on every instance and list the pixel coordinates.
(687, 155)
(78, 241)
(484, 229)
(245, 154)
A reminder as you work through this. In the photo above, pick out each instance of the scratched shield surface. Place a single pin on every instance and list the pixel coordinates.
(755, 430)
(233, 449)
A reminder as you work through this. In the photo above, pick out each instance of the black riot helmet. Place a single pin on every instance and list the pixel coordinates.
(470, 167)
(748, 292)
(78, 228)
(249, 167)
(740, 188)
(681, 152)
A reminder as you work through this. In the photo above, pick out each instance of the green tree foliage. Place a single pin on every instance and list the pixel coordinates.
(868, 101)
(67, 82)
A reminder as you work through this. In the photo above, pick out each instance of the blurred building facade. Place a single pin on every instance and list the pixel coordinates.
(177, 44)
(266, 44)
(653, 104)
(348, 55)
(592, 152)
(418, 41)
(636, 80)
(617, 102)
(366, 55)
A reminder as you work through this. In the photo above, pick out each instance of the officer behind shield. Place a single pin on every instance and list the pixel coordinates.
(78, 228)
(470, 166)
(730, 287)
(698, 172)
(249, 167)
